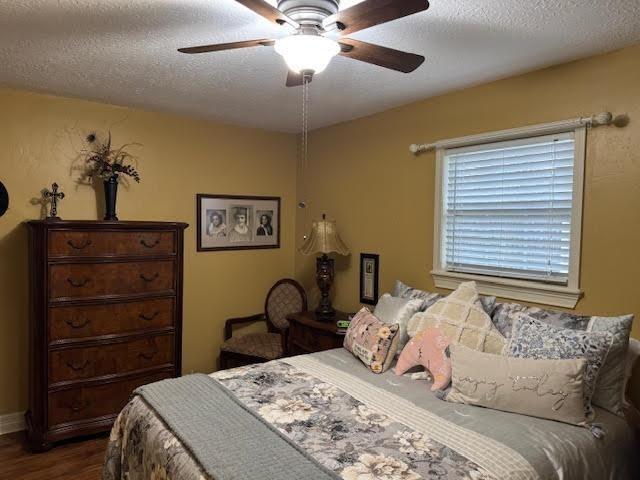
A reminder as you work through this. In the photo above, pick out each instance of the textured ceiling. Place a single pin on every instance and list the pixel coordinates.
(124, 52)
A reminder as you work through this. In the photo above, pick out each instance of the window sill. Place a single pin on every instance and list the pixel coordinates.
(523, 290)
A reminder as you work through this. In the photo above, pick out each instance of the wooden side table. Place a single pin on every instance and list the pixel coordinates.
(307, 334)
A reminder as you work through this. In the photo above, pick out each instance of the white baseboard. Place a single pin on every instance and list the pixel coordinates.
(12, 422)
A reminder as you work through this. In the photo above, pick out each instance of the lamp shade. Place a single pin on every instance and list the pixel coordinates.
(324, 238)
(307, 52)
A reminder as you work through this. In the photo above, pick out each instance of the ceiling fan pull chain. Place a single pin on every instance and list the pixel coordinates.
(304, 142)
(306, 121)
(302, 139)
(304, 150)
(304, 124)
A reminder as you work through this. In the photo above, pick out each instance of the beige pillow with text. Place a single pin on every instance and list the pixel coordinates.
(551, 389)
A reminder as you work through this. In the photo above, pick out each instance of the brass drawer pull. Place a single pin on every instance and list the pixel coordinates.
(79, 247)
(76, 284)
(75, 407)
(147, 356)
(72, 324)
(148, 318)
(78, 367)
(144, 243)
(149, 279)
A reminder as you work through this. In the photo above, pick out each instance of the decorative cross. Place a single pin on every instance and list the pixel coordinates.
(54, 196)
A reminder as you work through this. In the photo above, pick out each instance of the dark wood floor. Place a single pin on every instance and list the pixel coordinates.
(78, 460)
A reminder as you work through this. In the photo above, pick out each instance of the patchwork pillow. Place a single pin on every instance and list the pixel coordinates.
(372, 341)
(611, 384)
(462, 319)
(551, 389)
(532, 338)
(396, 310)
(609, 393)
(403, 290)
(429, 348)
(504, 314)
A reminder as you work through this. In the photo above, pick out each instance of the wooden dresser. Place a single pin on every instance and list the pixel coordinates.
(106, 317)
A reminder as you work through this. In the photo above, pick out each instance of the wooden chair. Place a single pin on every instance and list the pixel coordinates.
(285, 297)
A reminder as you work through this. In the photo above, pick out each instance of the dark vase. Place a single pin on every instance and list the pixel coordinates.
(110, 197)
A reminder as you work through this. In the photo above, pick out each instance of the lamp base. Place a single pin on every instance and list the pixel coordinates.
(324, 278)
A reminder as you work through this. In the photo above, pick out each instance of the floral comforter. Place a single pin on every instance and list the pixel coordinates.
(354, 438)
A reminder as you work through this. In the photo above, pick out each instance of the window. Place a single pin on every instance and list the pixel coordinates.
(509, 216)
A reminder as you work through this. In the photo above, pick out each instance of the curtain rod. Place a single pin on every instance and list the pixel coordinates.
(604, 118)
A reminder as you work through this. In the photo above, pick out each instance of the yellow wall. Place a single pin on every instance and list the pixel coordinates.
(362, 174)
(39, 138)
(359, 173)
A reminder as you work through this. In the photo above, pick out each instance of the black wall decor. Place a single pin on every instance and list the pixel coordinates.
(4, 199)
(369, 273)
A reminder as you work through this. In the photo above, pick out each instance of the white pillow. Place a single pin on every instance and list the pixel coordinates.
(632, 357)
(392, 310)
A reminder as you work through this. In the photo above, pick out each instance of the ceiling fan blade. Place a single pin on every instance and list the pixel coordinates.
(228, 46)
(297, 79)
(269, 12)
(373, 12)
(381, 56)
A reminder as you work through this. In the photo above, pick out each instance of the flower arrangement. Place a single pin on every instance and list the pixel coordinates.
(106, 162)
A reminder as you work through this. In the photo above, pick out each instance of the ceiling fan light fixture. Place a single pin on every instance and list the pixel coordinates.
(307, 52)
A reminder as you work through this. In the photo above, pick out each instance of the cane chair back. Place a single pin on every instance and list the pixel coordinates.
(285, 298)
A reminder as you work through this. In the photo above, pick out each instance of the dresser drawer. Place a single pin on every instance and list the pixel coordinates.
(96, 244)
(85, 403)
(88, 362)
(68, 281)
(66, 323)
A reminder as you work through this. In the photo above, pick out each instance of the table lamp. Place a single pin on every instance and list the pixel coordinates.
(324, 239)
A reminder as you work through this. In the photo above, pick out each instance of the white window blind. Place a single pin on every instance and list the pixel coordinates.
(507, 208)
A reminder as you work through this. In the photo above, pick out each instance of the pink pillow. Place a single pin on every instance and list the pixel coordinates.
(372, 341)
(428, 348)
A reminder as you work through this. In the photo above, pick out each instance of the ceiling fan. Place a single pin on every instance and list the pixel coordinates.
(319, 34)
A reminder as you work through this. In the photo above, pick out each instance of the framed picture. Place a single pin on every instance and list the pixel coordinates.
(229, 222)
(369, 269)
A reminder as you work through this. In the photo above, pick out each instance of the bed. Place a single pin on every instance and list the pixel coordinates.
(360, 426)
